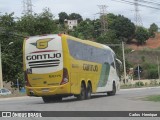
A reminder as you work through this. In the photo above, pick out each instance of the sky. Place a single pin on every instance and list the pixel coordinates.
(86, 8)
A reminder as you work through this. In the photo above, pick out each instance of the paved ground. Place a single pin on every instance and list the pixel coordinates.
(125, 100)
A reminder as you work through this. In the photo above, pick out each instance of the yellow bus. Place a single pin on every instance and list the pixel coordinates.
(59, 65)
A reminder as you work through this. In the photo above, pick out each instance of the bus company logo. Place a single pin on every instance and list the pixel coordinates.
(42, 43)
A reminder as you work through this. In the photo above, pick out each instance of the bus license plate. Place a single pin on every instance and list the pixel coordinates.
(45, 90)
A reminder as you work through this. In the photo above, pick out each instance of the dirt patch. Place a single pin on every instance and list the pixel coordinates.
(151, 43)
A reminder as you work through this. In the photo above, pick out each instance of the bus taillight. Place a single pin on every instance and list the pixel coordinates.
(26, 79)
(65, 78)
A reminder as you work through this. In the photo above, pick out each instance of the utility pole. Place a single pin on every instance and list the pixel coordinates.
(158, 68)
(1, 77)
(139, 77)
(27, 7)
(124, 62)
(138, 19)
(103, 18)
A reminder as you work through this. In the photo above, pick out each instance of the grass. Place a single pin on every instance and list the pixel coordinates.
(155, 98)
(128, 86)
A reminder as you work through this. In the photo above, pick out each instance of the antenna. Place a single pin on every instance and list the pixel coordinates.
(138, 19)
(103, 19)
(27, 7)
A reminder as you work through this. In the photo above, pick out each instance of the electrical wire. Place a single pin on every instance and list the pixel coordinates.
(148, 2)
(133, 3)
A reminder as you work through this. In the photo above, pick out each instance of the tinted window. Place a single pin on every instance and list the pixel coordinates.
(86, 52)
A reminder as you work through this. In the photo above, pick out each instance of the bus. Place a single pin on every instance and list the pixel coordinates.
(59, 65)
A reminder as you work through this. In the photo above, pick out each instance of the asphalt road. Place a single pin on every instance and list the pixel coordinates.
(124, 100)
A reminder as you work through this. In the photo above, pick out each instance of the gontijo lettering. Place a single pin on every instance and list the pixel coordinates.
(43, 56)
(88, 67)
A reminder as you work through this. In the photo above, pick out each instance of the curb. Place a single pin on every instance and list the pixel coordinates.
(144, 88)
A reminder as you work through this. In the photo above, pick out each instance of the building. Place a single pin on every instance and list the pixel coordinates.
(71, 23)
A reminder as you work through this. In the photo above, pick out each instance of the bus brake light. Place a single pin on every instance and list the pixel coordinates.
(65, 78)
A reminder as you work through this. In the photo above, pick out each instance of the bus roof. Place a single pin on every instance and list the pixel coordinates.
(92, 43)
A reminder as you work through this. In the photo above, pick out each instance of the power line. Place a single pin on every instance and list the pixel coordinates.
(137, 3)
(132, 3)
(149, 2)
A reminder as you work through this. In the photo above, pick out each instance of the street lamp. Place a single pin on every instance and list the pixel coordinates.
(1, 75)
(124, 62)
(158, 68)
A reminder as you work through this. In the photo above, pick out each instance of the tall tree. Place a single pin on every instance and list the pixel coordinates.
(84, 30)
(45, 23)
(97, 28)
(108, 38)
(37, 24)
(152, 30)
(141, 35)
(75, 16)
(62, 17)
(11, 53)
(123, 26)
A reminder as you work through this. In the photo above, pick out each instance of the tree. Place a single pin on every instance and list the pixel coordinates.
(141, 35)
(37, 24)
(75, 16)
(11, 53)
(84, 30)
(152, 30)
(45, 23)
(62, 17)
(97, 25)
(108, 38)
(123, 26)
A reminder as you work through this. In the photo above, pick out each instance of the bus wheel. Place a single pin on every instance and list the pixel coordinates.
(82, 95)
(89, 91)
(113, 92)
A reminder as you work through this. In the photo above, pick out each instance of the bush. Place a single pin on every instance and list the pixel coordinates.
(152, 73)
(150, 70)
(153, 82)
(146, 84)
(139, 83)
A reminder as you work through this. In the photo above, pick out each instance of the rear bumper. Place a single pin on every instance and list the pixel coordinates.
(47, 91)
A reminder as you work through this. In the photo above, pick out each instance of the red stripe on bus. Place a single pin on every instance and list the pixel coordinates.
(44, 51)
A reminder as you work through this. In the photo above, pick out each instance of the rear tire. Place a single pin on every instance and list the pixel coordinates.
(82, 95)
(113, 92)
(89, 91)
